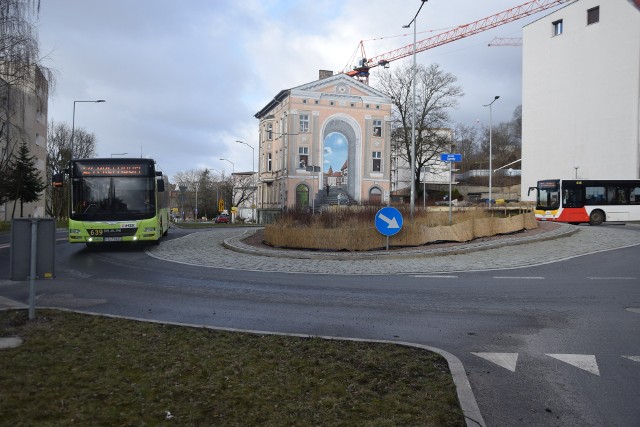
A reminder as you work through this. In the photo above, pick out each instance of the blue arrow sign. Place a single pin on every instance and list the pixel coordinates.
(388, 221)
(451, 157)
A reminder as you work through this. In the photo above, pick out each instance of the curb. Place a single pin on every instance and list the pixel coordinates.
(236, 244)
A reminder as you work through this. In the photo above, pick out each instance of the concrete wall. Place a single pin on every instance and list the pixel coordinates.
(581, 95)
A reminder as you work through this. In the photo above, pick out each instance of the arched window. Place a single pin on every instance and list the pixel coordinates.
(375, 195)
(302, 196)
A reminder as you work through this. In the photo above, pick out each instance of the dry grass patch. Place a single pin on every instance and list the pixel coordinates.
(76, 369)
(353, 228)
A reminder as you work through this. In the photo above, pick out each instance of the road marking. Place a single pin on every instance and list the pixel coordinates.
(519, 277)
(4, 246)
(425, 276)
(11, 303)
(585, 362)
(633, 310)
(634, 358)
(505, 360)
(612, 278)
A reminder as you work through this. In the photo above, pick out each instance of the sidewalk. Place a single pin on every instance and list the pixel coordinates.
(224, 248)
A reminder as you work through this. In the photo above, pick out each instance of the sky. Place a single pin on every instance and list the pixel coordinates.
(183, 79)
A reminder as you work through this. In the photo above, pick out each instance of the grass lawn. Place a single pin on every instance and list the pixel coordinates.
(75, 369)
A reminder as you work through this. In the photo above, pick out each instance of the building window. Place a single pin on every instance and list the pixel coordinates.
(303, 157)
(304, 123)
(377, 161)
(332, 103)
(367, 106)
(557, 27)
(593, 15)
(377, 128)
(304, 101)
(269, 131)
(268, 162)
(317, 102)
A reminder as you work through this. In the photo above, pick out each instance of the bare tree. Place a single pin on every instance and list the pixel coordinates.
(58, 160)
(467, 143)
(243, 188)
(436, 93)
(506, 140)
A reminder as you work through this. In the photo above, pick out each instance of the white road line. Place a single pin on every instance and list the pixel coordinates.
(633, 309)
(11, 303)
(505, 360)
(519, 277)
(634, 358)
(428, 276)
(586, 362)
(612, 278)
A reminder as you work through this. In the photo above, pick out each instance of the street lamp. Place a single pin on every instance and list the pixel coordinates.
(253, 178)
(233, 166)
(490, 141)
(217, 185)
(73, 121)
(412, 162)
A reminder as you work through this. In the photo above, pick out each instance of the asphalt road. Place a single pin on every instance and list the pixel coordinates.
(554, 343)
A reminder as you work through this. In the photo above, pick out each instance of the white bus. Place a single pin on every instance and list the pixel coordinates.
(587, 200)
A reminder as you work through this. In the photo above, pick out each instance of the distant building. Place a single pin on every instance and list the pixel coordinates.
(581, 93)
(294, 129)
(435, 172)
(23, 117)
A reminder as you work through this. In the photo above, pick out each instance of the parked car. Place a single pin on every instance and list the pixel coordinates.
(222, 219)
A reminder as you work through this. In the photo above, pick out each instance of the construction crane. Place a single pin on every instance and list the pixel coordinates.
(361, 70)
(506, 41)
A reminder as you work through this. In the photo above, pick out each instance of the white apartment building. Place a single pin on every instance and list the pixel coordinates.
(581, 93)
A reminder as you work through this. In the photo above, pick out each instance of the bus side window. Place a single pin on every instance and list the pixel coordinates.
(635, 196)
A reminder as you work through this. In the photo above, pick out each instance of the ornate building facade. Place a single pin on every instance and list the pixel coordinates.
(335, 122)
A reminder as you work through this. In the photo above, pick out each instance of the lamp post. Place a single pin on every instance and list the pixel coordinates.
(412, 161)
(233, 171)
(73, 121)
(217, 186)
(490, 143)
(233, 166)
(253, 179)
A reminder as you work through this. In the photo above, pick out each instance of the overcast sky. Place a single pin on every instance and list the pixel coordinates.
(183, 79)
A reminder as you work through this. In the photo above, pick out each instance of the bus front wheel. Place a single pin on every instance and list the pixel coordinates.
(596, 218)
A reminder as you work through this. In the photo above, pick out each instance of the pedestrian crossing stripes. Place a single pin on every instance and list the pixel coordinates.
(586, 362)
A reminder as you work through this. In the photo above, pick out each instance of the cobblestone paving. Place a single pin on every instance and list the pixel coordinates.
(223, 248)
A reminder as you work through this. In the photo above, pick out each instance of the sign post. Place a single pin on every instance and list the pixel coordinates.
(388, 222)
(450, 158)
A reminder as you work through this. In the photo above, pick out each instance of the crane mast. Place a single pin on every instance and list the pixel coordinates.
(361, 70)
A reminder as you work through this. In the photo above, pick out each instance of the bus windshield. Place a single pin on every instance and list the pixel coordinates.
(548, 197)
(113, 198)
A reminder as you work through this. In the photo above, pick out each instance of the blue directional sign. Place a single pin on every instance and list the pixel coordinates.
(451, 157)
(388, 221)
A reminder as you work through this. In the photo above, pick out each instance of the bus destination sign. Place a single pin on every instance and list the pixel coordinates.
(114, 169)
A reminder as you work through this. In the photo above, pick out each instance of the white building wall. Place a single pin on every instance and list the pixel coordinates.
(581, 95)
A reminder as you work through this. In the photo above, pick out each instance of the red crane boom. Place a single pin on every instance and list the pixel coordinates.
(466, 30)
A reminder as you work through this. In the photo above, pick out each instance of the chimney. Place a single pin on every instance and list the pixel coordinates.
(323, 74)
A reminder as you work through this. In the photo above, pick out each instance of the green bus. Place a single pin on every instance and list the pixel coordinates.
(117, 200)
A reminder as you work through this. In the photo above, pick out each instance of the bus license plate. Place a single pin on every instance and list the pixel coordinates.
(113, 239)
